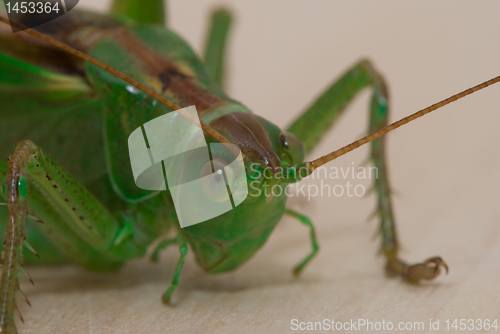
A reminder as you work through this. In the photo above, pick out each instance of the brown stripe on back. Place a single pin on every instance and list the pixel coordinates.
(246, 131)
(174, 81)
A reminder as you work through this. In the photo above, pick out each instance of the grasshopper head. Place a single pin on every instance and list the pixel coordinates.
(225, 242)
(262, 142)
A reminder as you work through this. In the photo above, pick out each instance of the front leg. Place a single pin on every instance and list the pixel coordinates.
(321, 116)
(183, 250)
(314, 242)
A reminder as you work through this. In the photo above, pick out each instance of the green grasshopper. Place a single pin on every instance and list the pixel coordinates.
(93, 213)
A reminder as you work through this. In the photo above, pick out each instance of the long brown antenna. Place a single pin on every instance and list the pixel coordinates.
(205, 127)
(335, 154)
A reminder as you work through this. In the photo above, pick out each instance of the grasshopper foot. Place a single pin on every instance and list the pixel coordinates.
(428, 270)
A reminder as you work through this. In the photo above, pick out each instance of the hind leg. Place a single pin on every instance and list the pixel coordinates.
(311, 126)
(149, 12)
(74, 221)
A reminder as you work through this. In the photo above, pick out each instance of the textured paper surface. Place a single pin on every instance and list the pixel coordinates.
(444, 168)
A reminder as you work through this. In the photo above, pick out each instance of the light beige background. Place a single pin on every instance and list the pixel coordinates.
(444, 167)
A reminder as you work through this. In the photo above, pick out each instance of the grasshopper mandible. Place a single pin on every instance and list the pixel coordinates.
(99, 219)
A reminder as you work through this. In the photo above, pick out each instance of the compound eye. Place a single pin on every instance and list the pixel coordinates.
(283, 142)
(212, 183)
(292, 147)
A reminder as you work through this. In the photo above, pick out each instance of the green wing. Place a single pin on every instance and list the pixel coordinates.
(45, 99)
